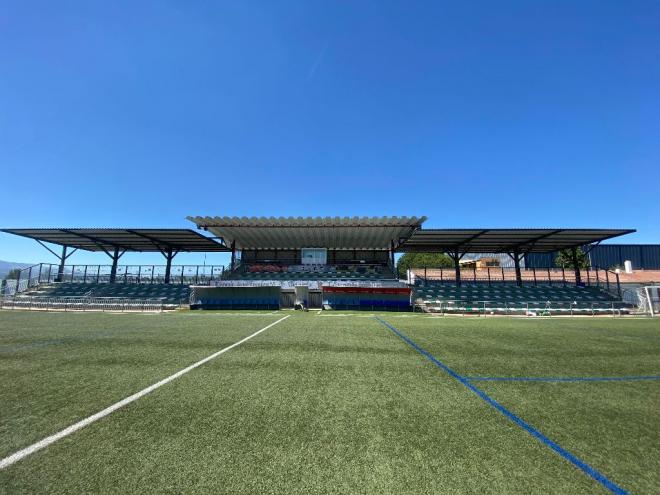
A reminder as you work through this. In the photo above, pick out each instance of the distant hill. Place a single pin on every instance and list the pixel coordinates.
(7, 266)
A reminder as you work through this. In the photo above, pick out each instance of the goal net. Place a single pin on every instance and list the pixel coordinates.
(649, 299)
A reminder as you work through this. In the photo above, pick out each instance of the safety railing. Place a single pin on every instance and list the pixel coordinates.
(605, 279)
(81, 303)
(133, 274)
(523, 308)
(25, 279)
(263, 283)
(312, 284)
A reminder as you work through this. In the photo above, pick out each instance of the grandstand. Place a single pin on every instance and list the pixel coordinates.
(343, 263)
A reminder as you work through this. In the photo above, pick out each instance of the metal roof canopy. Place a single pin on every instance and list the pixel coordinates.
(116, 242)
(134, 240)
(504, 240)
(382, 233)
(515, 242)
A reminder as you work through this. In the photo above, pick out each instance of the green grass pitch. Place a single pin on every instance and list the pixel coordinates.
(329, 403)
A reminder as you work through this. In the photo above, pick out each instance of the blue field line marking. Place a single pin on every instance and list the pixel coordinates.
(551, 379)
(586, 468)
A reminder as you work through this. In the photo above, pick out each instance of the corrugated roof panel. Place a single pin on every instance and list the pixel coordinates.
(505, 240)
(139, 240)
(303, 232)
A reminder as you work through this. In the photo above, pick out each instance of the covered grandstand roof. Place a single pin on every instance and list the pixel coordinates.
(140, 240)
(309, 232)
(505, 240)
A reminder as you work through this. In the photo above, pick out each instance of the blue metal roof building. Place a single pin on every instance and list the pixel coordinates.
(642, 256)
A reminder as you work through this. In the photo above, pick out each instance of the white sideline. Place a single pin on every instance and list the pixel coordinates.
(35, 447)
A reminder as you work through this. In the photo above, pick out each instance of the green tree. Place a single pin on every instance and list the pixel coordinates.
(422, 260)
(565, 259)
(13, 274)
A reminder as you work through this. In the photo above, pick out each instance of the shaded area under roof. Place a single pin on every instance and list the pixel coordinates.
(310, 232)
(504, 240)
(137, 240)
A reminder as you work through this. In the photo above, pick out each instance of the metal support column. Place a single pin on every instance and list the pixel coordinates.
(618, 285)
(113, 270)
(456, 256)
(516, 263)
(169, 256)
(233, 255)
(607, 279)
(60, 270)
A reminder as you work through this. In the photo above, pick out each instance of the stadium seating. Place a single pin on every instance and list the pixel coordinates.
(311, 272)
(507, 297)
(171, 294)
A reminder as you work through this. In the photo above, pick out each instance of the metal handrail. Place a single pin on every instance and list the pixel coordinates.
(145, 274)
(604, 279)
(81, 303)
(529, 308)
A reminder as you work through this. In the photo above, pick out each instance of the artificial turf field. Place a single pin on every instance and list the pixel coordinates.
(329, 403)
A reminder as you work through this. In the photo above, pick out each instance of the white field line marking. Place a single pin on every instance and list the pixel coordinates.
(221, 315)
(368, 315)
(346, 316)
(35, 447)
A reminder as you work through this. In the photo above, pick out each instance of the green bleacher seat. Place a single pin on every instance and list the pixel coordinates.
(169, 293)
(472, 297)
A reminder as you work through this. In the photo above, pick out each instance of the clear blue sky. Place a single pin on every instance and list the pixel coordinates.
(527, 113)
